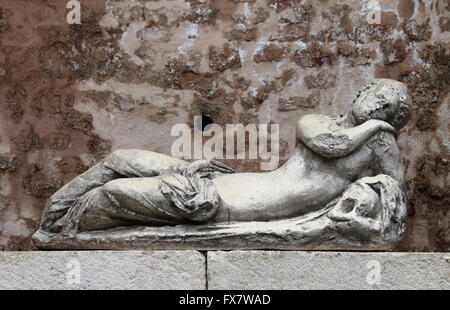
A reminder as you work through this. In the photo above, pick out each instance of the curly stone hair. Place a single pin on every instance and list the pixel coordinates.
(399, 119)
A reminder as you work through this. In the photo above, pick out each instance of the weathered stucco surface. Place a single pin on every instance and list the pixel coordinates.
(69, 94)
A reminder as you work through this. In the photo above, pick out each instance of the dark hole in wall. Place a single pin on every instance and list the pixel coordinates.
(204, 122)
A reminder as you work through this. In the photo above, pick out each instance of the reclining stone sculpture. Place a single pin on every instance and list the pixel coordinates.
(343, 188)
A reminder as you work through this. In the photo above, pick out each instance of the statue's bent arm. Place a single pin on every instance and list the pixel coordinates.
(324, 136)
(388, 159)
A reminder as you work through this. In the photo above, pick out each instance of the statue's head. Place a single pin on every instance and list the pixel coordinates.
(383, 99)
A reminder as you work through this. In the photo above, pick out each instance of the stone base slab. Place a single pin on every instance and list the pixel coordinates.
(223, 270)
(327, 270)
(103, 270)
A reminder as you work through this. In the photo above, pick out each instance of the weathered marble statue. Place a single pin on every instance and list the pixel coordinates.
(342, 188)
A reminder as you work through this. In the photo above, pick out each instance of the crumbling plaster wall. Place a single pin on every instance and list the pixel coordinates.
(69, 94)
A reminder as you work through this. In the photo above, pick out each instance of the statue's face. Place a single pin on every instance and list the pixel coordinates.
(380, 102)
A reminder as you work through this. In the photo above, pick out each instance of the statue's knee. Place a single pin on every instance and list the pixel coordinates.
(119, 154)
(117, 157)
(111, 188)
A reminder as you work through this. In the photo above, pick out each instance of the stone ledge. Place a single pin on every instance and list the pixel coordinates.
(103, 270)
(226, 270)
(327, 270)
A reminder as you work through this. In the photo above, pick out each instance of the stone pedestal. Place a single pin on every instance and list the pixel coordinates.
(223, 270)
(327, 270)
(103, 270)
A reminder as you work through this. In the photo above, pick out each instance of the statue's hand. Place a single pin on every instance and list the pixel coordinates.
(382, 125)
(206, 168)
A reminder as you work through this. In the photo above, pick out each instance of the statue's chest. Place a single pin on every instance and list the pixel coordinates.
(357, 164)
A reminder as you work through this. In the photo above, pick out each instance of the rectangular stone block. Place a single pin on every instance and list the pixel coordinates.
(327, 270)
(103, 270)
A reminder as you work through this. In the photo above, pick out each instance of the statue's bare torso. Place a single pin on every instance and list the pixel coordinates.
(306, 182)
